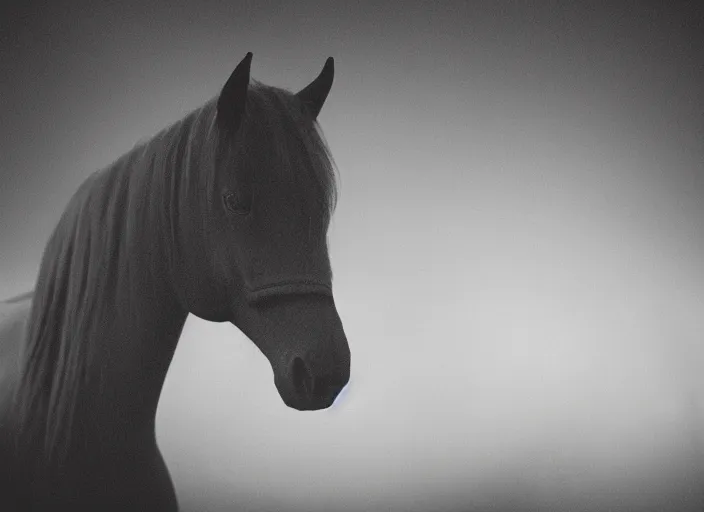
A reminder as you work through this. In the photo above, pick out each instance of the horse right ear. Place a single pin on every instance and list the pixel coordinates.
(233, 97)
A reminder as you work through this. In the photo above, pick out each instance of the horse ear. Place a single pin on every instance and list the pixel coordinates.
(314, 95)
(233, 96)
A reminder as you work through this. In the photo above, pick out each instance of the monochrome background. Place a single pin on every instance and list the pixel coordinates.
(518, 247)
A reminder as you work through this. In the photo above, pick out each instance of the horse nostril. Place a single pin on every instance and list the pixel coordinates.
(302, 380)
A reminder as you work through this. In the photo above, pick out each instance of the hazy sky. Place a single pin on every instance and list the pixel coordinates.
(517, 249)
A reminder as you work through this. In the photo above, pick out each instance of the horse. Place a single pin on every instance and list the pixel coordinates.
(223, 215)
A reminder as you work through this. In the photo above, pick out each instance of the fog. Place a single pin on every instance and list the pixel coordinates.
(517, 248)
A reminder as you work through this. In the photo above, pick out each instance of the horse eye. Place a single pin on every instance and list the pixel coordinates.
(234, 204)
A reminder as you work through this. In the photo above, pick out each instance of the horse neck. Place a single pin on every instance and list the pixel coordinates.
(112, 456)
(126, 338)
(127, 369)
(131, 353)
(135, 330)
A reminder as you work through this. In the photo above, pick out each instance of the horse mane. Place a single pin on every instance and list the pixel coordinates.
(90, 254)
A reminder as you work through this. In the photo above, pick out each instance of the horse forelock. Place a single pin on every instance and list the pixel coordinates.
(278, 136)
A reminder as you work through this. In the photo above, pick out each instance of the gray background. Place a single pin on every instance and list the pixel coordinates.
(517, 250)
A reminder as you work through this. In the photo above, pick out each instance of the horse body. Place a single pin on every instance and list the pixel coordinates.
(222, 215)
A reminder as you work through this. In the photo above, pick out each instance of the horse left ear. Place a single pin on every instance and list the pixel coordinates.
(314, 95)
(233, 96)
